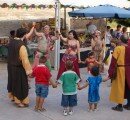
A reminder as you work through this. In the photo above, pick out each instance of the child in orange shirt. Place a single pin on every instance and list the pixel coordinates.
(90, 61)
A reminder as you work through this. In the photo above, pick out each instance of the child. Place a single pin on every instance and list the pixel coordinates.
(42, 78)
(69, 80)
(93, 92)
(90, 61)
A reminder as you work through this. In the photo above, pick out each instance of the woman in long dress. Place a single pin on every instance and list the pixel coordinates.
(98, 48)
(71, 53)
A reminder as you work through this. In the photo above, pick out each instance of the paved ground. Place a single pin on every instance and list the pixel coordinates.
(8, 111)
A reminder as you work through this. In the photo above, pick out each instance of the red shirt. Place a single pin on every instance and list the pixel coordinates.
(41, 74)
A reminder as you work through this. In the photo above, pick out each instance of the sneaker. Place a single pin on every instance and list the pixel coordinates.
(36, 109)
(89, 110)
(126, 107)
(95, 110)
(65, 113)
(70, 112)
(117, 108)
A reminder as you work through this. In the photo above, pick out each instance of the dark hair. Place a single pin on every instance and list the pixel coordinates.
(124, 29)
(42, 59)
(90, 53)
(108, 27)
(12, 32)
(124, 39)
(74, 34)
(95, 71)
(21, 32)
(118, 26)
(69, 65)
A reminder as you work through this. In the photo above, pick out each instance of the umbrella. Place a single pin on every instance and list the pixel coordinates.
(101, 11)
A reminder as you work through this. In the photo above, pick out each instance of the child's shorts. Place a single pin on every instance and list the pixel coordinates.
(41, 90)
(69, 100)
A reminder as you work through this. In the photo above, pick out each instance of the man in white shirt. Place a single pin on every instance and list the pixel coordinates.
(108, 37)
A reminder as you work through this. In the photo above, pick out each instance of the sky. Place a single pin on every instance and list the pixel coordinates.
(120, 3)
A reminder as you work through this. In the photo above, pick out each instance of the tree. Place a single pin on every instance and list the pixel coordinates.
(125, 22)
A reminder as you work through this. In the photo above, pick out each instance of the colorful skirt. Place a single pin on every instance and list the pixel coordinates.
(63, 62)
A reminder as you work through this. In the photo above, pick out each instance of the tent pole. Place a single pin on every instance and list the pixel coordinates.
(105, 38)
(57, 25)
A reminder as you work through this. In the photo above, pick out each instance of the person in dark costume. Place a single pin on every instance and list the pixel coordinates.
(18, 69)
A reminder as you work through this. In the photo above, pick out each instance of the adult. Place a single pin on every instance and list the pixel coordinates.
(117, 33)
(90, 28)
(12, 34)
(18, 69)
(120, 63)
(45, 45)
(108, 37)
(124, 31)
(98, 48)
(71, 53)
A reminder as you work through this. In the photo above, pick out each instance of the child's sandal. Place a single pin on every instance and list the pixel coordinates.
(20, 105)
(26, 105)
(42, 109)
(36, 108)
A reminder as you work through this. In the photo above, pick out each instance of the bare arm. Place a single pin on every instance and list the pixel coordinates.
(92, 43)
(103, 44)
(53, 83)
(39, 34)
(56, 37)
(61, 37)
(78, 50)
(99, 63)
(84, 86)
(25, 61)
(105, 79)
(30, 33)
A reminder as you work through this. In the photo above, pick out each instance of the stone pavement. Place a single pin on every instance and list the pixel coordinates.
(8, 111)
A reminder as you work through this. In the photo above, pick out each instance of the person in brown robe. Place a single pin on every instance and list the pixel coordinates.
(19, 68)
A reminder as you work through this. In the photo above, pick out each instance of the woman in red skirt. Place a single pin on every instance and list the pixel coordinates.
(72, 52)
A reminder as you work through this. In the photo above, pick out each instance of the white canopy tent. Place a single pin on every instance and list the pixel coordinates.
(119, 3)
(28, 2)
(57, 17)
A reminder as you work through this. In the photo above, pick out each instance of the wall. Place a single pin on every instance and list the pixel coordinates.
(7, 26)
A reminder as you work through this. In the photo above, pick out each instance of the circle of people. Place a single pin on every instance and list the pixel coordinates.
(19, 68)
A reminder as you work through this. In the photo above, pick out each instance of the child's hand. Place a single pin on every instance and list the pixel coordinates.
(79, 61)
(30, 75)
(54, 86)
(34, 24)
(105, 79)
(79, 88)
(82, 62)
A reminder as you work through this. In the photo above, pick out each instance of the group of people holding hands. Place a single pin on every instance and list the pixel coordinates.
(19, 69)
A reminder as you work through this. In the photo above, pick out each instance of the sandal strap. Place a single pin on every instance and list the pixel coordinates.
(42, 109)
(20, 105)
